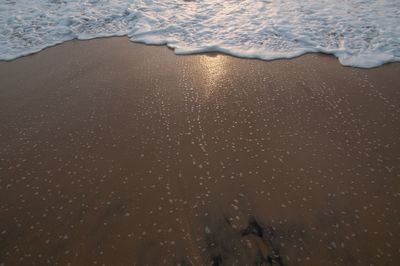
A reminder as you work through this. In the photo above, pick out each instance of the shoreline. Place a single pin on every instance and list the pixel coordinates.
(197, 53)
(118, 152)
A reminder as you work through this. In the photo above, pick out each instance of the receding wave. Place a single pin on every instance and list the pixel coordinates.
(360, 33)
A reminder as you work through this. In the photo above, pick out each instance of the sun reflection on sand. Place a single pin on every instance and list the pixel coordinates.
(213, 68)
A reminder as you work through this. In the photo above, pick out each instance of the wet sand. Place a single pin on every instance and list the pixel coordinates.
(114, 153)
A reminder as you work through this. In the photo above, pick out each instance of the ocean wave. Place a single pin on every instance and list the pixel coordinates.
(360, 33)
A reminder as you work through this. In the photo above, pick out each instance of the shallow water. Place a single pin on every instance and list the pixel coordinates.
(361, 33)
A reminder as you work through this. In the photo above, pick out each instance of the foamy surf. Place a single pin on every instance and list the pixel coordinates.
(360, 33)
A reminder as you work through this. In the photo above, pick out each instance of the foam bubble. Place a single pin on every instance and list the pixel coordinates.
(361, 33)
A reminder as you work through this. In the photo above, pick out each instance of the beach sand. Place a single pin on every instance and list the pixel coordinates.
(118, 153)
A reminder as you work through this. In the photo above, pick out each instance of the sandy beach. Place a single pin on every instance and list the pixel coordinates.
(116, 153)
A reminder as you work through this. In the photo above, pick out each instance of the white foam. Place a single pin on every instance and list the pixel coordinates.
(361, 33)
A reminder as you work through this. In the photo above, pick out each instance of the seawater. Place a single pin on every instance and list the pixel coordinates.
(360, 33)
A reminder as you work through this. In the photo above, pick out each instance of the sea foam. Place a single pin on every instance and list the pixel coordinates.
(360, 33)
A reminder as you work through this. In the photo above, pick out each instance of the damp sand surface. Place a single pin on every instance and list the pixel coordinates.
(115, 153)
